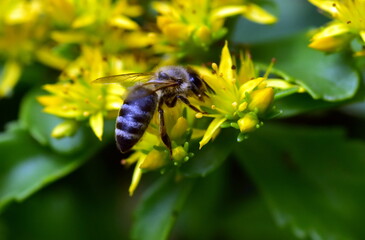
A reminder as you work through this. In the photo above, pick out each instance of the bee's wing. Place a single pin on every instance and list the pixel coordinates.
(126, 79)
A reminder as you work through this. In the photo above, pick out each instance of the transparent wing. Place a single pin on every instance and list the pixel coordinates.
(126, 79)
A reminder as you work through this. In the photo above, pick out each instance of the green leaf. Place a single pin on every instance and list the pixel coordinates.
(250, 219)
(330, 77)
(26, 166)
(66, 210)
(311, 178)
(159, 207)
(300, 103)
(211, 156)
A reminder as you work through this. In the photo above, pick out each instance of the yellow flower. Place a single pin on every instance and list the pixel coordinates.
(92, 13)
(348, 24)
(241, 97)
(22, 31)
(202, 20)
(107, 23)
(75, 97)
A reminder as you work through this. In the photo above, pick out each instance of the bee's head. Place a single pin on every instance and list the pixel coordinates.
(198, 85)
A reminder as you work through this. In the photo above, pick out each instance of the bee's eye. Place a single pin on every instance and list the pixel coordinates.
(163, 76)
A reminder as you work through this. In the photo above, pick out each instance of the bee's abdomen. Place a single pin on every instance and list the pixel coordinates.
(134, 117)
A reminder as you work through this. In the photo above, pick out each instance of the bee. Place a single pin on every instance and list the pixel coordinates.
(166, 86)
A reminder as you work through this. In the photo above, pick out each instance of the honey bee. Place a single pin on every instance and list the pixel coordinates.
(165, 86)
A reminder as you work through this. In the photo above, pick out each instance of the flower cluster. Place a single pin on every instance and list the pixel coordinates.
(241, 97)
(348, 25)
(76, 99)
(89, 39)
(186, 24)
(22, 32)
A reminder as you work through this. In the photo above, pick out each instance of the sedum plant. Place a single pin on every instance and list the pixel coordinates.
(274, 150)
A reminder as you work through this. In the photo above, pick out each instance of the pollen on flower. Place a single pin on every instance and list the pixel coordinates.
(86, 114)
(234, 105)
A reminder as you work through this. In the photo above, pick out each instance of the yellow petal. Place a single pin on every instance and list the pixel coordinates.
(332, 29)
(46, 57)
(247, 69)
(9, 77)
(162, 8)
(65, 111)
(176, 31)
(249, 86)
(362, 35)
(279, 83)
(227, 11)
(68, 37)
(97, 124)
(84, 21)
(154, 160)
(325, 5)
(329, 44)
(22, 12)
(179, 129)
(162, 21)
(225, 65)
(213, 127)
(137, 174)
(259, 15)
(138, 39)
(123, 22)
(50, 100)
(133, 158)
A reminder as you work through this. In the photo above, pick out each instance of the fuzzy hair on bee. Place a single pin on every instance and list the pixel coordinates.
(166, 86)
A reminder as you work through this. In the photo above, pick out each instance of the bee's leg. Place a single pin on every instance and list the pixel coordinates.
(186, 101)
(165, 138)
(171, 103)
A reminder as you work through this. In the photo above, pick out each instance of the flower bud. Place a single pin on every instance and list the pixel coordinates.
(179, 154)
(261, 99)
(65, 129)
(248, 122)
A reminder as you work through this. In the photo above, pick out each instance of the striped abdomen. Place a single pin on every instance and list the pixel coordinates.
(134, 117)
